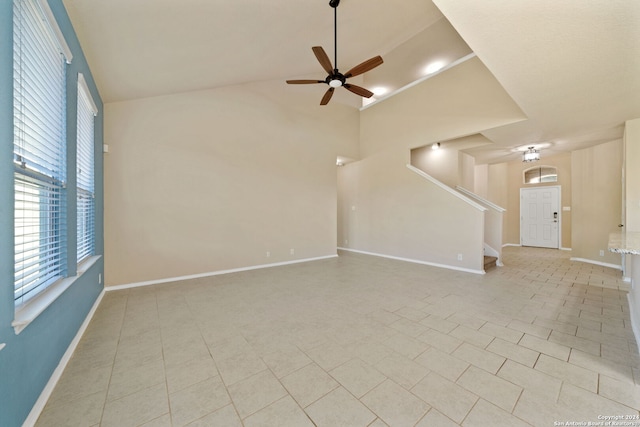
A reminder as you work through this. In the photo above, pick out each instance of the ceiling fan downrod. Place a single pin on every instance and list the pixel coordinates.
(334, 4)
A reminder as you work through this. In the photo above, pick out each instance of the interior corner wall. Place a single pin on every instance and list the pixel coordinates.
(481, 181)
(30, 358)
(221, 179)
(632, 215)
(596, 176)
(632, 175)
(443, 164)
(466, 171)
(389, 210)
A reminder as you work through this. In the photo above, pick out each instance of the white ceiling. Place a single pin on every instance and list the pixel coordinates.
(573, 66)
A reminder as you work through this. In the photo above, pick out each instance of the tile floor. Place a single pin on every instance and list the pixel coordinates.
(360, 341)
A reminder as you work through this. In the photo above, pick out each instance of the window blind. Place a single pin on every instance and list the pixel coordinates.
(39, 152)
(85, 173)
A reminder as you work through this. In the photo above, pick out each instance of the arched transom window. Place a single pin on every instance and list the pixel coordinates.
(540, 174)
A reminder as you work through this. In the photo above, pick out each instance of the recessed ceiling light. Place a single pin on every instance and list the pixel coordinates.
(434, 67)
(379, 90)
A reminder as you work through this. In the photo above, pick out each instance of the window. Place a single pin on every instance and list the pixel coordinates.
(540, 174)
(39, 149)
(85, 172)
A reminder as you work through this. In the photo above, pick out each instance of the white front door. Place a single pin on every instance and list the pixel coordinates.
(540, 217)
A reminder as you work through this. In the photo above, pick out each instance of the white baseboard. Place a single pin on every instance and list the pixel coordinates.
(603, 264)
(37, 408)
(635, 320)
(213, 273)
(519, 245)
(416, 261)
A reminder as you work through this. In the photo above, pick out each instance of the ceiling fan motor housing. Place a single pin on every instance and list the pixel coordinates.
(334, 3)
(335, 80)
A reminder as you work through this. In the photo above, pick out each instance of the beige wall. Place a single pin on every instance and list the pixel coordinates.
(503, 189)
(596, 200)
(467, 175)
(632, 174)
(447, 164)
(213, 180)
(481, 181)
(443, 164)
(385, 208)
(632, 213)
(497, 189)
(463, 100)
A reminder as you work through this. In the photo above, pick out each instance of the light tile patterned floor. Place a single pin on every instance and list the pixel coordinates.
(360, 341)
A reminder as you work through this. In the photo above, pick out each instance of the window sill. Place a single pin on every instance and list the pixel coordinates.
(29, 311)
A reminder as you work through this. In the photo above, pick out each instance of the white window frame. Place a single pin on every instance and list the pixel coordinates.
(85, 172)
(540, 181)
(40, 165)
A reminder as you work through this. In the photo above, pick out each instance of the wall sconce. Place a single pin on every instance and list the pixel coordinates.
(531, 155)
(435, 146)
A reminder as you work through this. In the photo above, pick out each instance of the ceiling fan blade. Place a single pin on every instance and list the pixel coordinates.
(367, 65)
(327, 96)
(304, 82)
(358, 90)
(323, 59)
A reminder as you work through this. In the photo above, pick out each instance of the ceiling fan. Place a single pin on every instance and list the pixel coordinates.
(335, 78)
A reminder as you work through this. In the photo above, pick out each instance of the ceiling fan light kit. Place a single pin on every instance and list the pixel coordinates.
(335, 78)
(531, 155)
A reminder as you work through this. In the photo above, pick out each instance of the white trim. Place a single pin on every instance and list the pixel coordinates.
(213, 273)
(482, 200)
(420, 80)
(29, 311)
(447, 188)
(538, 167)
(635, 319)
(517, 245)
(603, 264)
(38, 407)
(488, 250)
(83, 84)
(416, 261)
(51, 20)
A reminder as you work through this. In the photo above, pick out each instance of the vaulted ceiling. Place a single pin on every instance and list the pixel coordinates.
(573, 67)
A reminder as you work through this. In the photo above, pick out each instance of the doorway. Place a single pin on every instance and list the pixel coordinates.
(540, 217)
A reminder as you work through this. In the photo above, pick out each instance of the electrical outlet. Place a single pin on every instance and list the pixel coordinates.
(268, 254)
(100, 278)
(293, 251)
(346, 241)
(459, 257)
(601, 252)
